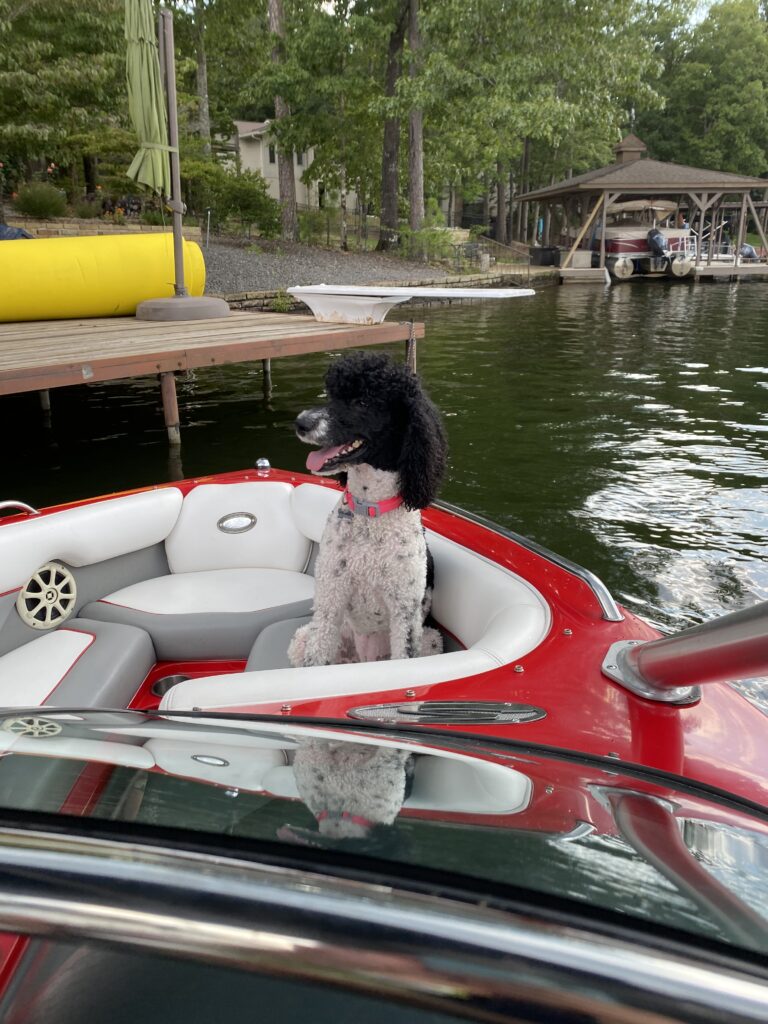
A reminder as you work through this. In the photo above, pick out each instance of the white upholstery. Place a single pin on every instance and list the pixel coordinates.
(484, 605)
(86, 534)
(126, 754)
(272, 685)
(29, 674)
(196, 543)
(217, 590)
(442, 782)
(311, 505)
(246, 764)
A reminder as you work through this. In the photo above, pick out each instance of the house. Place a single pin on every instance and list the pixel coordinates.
(253, 149)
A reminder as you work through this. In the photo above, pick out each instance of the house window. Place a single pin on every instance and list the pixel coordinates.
(271, 154)
(299, 159)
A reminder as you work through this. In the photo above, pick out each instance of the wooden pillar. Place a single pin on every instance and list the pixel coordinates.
(170, 407)
(758, 225)
(602, 230)
(742, 227)
(584, 229)
(410, 348)
(266, 380)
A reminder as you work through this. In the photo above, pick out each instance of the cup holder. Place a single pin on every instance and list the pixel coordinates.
(161, 686)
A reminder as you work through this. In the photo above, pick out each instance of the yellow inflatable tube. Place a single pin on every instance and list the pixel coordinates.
(96, 275)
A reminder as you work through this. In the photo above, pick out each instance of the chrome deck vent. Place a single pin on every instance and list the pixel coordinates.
(453, 712)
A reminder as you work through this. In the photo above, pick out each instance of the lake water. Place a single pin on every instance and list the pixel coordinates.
(625, 428)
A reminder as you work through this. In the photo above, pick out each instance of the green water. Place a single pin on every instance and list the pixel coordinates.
(625, 428)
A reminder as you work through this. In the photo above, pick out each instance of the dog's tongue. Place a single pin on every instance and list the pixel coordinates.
(316, 460)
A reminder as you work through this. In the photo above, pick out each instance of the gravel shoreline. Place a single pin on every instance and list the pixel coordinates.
(233, 269)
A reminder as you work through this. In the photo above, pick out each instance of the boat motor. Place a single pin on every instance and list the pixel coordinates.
(657, 243)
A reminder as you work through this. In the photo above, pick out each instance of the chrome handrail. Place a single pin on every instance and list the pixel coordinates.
(21, 506)
(603, 595)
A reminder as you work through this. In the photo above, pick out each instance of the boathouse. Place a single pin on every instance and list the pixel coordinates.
(701, 215)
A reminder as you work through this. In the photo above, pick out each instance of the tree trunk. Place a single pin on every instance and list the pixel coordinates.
(203, 107)
(415, 128)
(511, 208)
(286, 180)
(390, 182)
(501, 204)
(486, 205)
(522, 208)
(458, 207)
(90, 163)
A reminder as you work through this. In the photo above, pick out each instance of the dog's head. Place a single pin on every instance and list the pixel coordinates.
(377, 413)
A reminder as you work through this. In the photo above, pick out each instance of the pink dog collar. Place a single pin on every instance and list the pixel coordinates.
(356, 819)
(373, 509)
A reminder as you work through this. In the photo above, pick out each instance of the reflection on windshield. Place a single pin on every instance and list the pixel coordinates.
(568, 830)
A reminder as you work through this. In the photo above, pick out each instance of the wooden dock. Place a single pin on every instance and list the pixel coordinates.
(45, 354)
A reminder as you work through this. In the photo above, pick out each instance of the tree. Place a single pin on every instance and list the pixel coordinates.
(715, 84)
(287, 184)
(62, 82)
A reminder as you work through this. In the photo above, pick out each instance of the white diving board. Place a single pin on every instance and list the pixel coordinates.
(368, 304)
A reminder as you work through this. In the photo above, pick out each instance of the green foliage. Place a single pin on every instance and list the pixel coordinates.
(715, 83)
(431, 245)
(153, 217)
(85, 209)
(281, 302)
(41, 200)
(245, 196)
(313, 225)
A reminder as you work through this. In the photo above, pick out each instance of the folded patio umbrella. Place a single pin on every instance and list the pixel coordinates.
(146, 98)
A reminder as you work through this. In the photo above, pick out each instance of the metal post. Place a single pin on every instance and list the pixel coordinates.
(671, 669)
(410, 347)
(208, 227)
(176, 205)
(266, 366)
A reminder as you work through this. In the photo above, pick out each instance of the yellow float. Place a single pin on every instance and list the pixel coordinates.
(91, 276)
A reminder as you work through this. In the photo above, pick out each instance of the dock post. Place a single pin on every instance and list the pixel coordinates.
(170, 407)
(410, 347)
(45, 405)
(266, 366)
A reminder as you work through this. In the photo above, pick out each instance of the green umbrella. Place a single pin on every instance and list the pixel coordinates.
(146, 98)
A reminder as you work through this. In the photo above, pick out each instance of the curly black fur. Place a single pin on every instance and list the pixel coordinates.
(373, 398)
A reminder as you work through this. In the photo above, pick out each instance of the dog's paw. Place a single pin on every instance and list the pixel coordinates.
(431, 642)
(297, 649)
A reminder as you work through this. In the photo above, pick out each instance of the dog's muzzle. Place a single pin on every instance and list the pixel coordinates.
(311, 426)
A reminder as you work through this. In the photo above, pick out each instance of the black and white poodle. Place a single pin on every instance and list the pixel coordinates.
(384, 437)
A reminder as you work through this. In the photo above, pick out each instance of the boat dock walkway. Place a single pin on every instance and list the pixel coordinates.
(45, 354)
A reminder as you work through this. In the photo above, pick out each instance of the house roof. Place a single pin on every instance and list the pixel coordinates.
(648, 176)
(247, 129)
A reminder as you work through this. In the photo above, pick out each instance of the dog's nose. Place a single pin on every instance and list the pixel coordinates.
(305, 421)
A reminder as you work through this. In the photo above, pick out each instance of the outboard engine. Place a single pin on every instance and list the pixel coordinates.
(657, 242)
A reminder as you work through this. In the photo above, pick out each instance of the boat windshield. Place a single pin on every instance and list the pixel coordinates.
(493, 817)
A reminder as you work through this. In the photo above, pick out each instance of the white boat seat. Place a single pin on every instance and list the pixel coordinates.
(82, 664)
(216, 613)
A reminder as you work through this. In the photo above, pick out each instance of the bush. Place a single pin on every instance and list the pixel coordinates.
(313, 226)
(429, 244)
(41, 200)
(245, 196)
(154, 217)
(85, 209)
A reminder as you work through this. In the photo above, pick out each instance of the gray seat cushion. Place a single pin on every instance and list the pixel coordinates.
(198, 636)
(271, 647)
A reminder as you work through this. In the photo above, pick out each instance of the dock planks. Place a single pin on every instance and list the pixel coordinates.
(39, 355)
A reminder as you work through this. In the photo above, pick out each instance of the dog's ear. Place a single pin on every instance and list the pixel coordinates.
(424, 452)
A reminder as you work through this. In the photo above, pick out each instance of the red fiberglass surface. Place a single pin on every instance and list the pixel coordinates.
(720, 740)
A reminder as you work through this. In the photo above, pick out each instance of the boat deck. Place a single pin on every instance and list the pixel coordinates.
(44, 354)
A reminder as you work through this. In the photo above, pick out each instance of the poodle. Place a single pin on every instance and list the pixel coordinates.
(353, 790)
(373, 576)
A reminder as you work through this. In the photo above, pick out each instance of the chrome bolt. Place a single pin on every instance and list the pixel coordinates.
(263, 467)
(519, 668)
(286, 708)
(567, 632)
(612, 753)
(410, 693)
(549, 789)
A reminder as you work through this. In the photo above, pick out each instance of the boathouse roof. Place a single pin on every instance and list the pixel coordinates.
(632, 173)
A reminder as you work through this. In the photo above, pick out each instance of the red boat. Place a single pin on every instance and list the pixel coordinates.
(185, 596)
(563, 817)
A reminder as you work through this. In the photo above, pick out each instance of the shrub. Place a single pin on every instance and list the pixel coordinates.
(246, 196)
(85, 209)
(281, 302)
(41, 200)
(313, 225)
(154, 217)
(428, 244)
